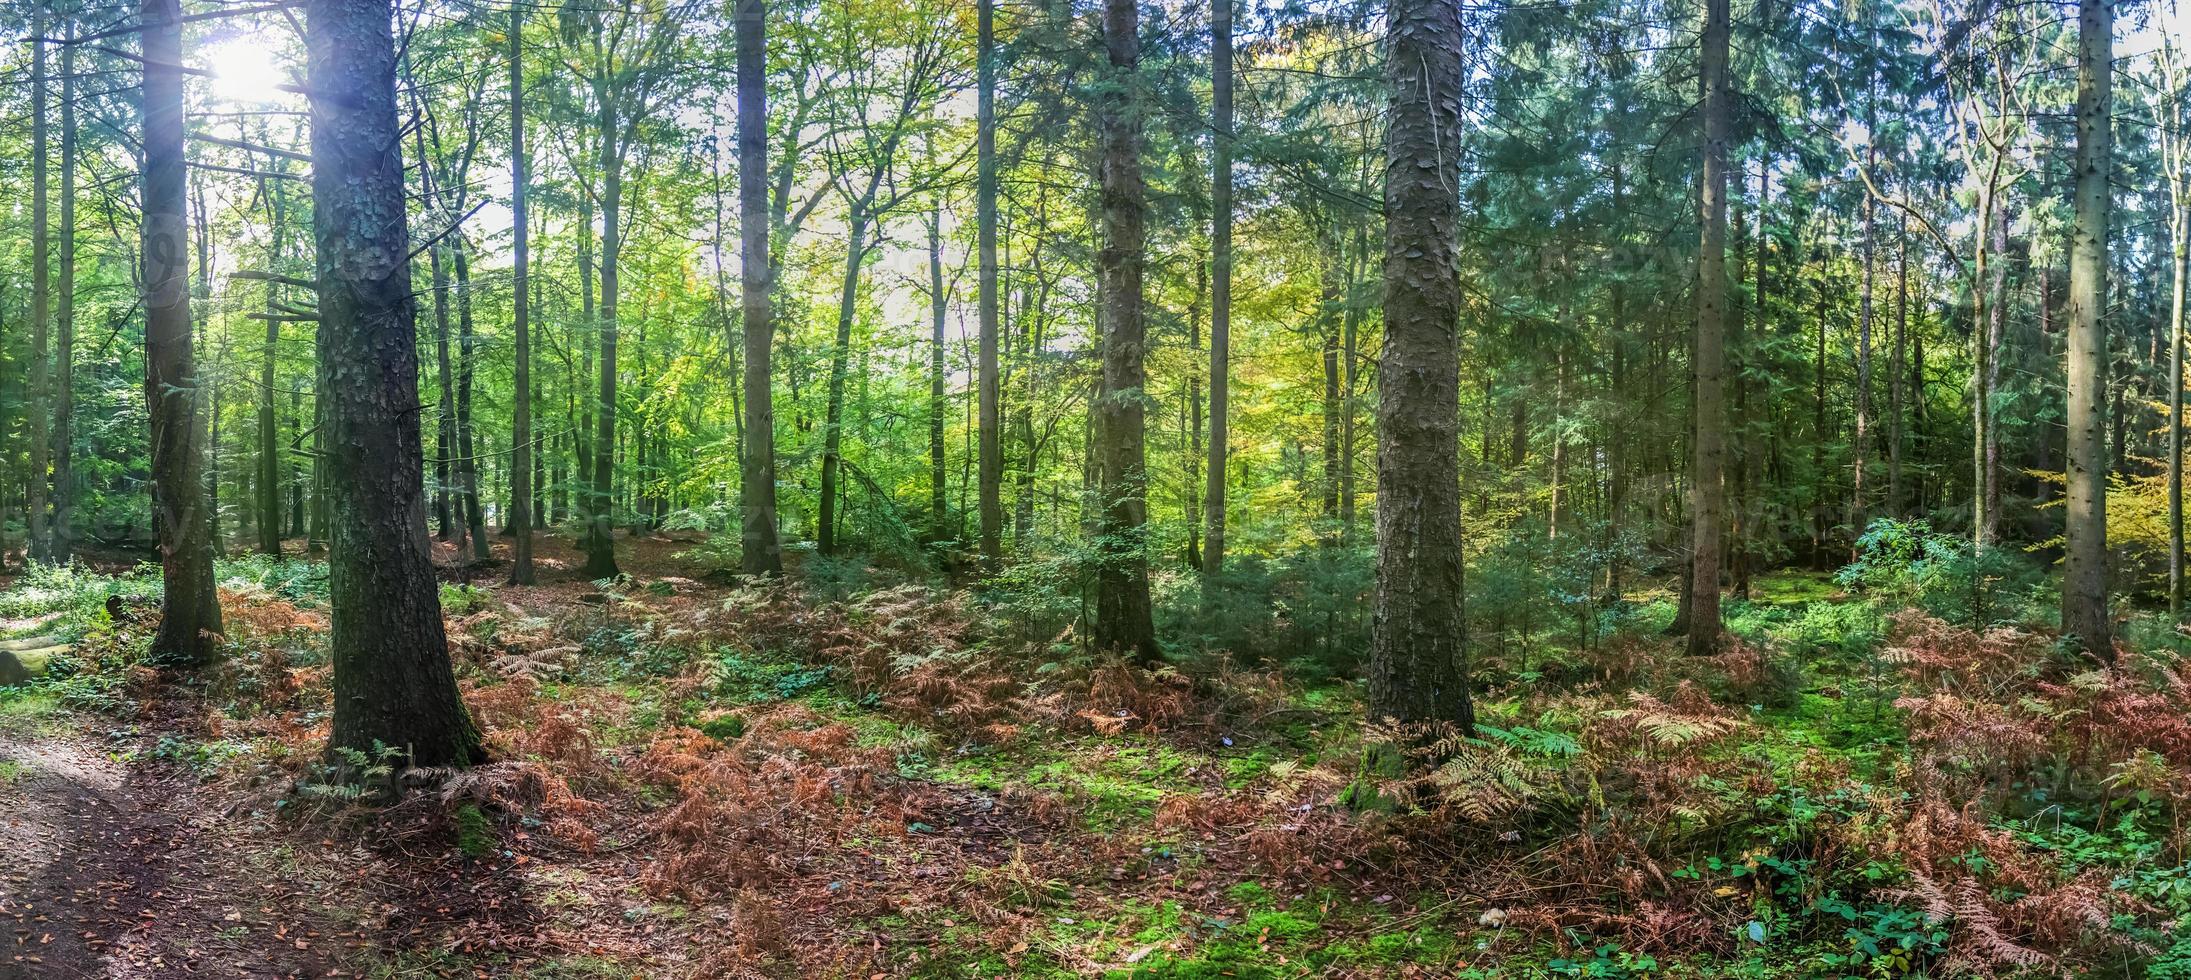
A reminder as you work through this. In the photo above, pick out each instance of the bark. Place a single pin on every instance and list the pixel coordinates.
(1897, 365)
(938, 404)
(988, 377)
(467, 467)
(760, 552)
(1125, 619)
(1214, 513)
(60, 536)
(2180, 269)
(269, 476)
(394, 688)
(1705, 491)
(189, 612)
(600, 537)
(855, 254)
(522, 459)
(1418, 639)
(445, 450)
(1860, 445)
(2084, 578)
(41, 295)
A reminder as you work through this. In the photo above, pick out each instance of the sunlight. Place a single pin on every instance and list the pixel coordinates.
(245, 70)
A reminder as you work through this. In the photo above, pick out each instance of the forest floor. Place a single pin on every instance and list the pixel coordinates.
(697, 777)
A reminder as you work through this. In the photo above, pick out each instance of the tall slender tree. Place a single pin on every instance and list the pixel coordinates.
(1125, 619)
(1706, 495)
(521, 396)
(1221, 124)
(61, 541)
(190, 613)
(760, 553)
(2084, 578)
(989, 413)
(41, 291)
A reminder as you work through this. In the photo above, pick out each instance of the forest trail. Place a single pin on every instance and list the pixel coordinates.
(115, 870)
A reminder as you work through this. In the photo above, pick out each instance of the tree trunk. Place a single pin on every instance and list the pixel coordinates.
(2180, 267)
(938, 404)
(1860, 445)
(475, 518)
(760, 553)
(2084, 577)
(393, 683)
(855, 252)
(41, 301)
(269, 476)
(190, 614)
(522, 458)
(1705, 505)
(1124, 621)
(1897, 365)
(989, 380)
(60, 536)
(600, 537)
(446, 514)
(1418, 641)
(1213, 502)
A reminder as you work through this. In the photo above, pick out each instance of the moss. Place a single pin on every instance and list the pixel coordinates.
(475, 835)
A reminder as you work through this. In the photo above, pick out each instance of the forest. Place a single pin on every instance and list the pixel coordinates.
(1094, 488)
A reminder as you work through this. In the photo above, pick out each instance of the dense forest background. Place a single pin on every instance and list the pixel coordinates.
(1897, 248)
(1056, 488)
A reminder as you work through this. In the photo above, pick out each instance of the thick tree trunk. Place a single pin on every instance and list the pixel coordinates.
(1213, 497)
(190, 614)
(1418, 641)
(523, 461)
(760, 553)
(2084, 577)
(1125, 620)
(394, 688)
(1705, 491)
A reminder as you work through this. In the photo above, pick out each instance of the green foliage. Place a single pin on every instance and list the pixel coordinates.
(1905, 563)
(463, 599)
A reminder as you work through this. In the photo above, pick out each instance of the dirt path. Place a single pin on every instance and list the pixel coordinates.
(115, 870)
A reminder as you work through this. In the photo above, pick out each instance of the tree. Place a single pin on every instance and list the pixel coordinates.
(1706, 495)
(61, 536)
(2084, 576)
(2174, 144)
(521, 422)
(1125, 621)
(759, 551)
(41, 292)
(988, 380)
(1418, 639)
(1213, 547)
(190, 613)
(394, 687)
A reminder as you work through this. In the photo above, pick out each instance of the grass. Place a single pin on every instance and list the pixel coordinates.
(32, 711)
